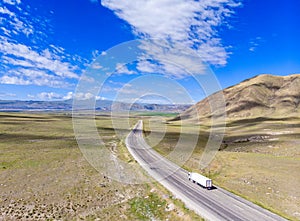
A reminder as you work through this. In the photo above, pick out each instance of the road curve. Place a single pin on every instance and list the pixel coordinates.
(215, 204)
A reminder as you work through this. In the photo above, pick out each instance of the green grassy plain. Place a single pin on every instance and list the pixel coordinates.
(44, 176)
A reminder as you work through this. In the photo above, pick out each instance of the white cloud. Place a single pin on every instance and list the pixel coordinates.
(95, 54)
(68, 96)
(148, 67)
(87, 79)
(122, 69)
(12, 2)
(190, 23)
(14, 80)
(30, 96)
(174, 60)
(80, 96)
(15, 23)
(6, 31)
(6, 95)
(252, 49)
(100, 98)
(255, 43)
(96, 65)
(23, 76)
(33, 61)
(55, 96)
(5, 11)
(21, 80)
(49, 96)
(84, 96)
(32, 67)
(27, 57)
(210, 52)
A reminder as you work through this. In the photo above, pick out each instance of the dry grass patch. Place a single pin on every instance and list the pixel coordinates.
(260, 160)
(44, 176)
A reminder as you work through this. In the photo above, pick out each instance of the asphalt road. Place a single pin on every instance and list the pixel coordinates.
(214, 204)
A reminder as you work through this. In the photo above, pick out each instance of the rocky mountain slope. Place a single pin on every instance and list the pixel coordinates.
(261, 96)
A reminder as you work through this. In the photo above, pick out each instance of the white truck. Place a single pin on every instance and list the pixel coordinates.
(201, 180)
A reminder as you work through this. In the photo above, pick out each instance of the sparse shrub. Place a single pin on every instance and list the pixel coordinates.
(145, 208)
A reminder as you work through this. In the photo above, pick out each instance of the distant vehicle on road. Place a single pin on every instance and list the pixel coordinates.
(201, 180)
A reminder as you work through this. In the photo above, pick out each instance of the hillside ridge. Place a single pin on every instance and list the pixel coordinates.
(264, 95)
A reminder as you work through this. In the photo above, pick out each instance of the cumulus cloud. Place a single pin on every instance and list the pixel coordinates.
(193, 24)
(49, 96)
(68, 96)
(81, 96)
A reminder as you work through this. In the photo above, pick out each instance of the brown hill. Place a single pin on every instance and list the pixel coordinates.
(261, 96)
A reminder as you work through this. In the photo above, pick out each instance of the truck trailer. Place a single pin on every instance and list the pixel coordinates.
(201, 180)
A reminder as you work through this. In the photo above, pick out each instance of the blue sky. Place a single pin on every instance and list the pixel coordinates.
(46, 46)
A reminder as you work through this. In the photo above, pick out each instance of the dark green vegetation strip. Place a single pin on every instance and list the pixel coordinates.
(157, 114)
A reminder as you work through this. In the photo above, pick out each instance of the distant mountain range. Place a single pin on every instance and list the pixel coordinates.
(101, 105)
(261, 96)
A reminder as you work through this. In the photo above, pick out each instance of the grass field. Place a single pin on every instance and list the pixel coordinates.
(161, 114)
(259, 159)
(44, 176)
